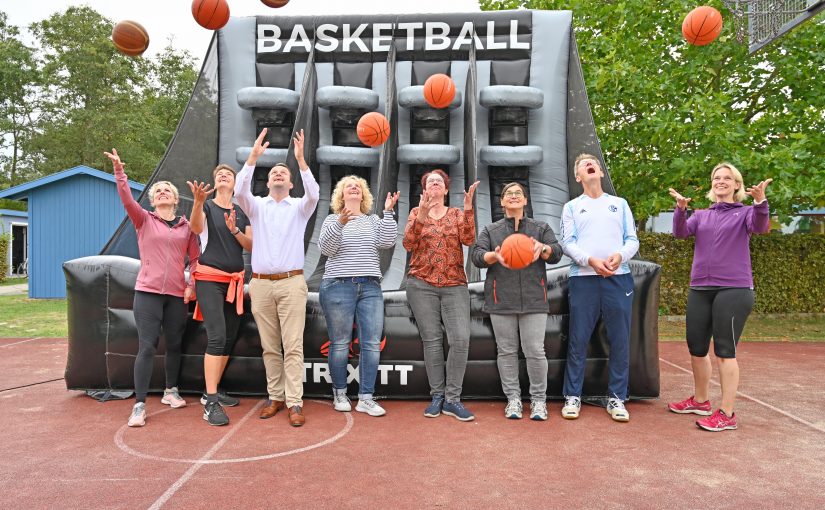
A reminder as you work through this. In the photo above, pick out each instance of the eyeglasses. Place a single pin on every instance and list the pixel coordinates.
(513, 194)
(434, 179)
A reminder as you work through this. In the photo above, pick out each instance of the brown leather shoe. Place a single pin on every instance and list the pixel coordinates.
(296, 416)
(271, 408)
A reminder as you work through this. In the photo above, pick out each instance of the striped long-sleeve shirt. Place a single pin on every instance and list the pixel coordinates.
(352, 249)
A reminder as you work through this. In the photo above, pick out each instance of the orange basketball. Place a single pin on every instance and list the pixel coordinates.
(439, 90)
(517, 251)
(702, 25)
(211, 14)
(130, 38)
(274, 3)
(373, 129)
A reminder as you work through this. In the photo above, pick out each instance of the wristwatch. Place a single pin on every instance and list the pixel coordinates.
(237, 231)
(545, 250)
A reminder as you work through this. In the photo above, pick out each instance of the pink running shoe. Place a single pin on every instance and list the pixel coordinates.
(171, 397)
(718, 422)
(690, 405)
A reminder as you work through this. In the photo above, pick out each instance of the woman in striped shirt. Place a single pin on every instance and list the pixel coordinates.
(351, 287)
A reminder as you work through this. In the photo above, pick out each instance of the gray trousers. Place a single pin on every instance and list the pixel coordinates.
(431, 306)
(529, 327)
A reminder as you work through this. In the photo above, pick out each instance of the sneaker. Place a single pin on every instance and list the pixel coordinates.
(458, 411)
(572, 406)
(138, 416)
(690, 405)
(171, 397)
(718, 421)
(434, 409)
(370, 407)
(341, 402)
(617, 411)
(538, 410)
(223, 399)
(513, 410)
(214, 414)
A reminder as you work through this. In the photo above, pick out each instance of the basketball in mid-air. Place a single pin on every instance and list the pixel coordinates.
(702, 25)
(130, 38)
(517, 251)
(210, 14)
(373, 129)
(439, 90)
(274, 3)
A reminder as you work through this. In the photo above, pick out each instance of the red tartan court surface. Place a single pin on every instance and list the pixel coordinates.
(62, 449)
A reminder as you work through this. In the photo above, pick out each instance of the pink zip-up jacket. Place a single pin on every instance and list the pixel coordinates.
(163, 249)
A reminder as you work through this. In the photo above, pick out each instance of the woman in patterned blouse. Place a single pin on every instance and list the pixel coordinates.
(437, 288)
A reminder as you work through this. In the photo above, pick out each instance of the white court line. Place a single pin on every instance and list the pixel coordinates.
(22, 341)
(754, 399)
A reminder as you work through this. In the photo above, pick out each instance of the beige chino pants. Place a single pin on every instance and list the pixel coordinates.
(279, 308)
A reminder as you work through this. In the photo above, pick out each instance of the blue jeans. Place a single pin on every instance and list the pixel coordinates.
(354, 301)
(591, 297)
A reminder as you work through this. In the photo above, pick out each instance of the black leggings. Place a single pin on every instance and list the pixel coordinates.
(720, 313)
(220, 318)
(153, 312)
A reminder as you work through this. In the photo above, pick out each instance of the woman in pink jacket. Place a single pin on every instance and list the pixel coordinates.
(161, 291)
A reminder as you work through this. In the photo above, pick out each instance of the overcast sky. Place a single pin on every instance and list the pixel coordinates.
(173, 18)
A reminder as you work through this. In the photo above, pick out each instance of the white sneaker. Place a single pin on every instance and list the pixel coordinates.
(138, 416)
(617, 411)
(341, 402)
(370, 407)
(172, 398)
(513, 410)
(538, 410)
(572, 406)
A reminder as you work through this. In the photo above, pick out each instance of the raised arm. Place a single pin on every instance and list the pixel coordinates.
(136, 213)
(244, 237)
(388, 227)
(243, 181)
(311, 188)
(759, 218)
(200, 192)
(332, 231)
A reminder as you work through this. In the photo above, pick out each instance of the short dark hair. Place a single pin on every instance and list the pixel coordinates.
(223, 166)
(510, 185)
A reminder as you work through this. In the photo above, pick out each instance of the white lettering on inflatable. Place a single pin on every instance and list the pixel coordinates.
(514, 37)
(379, 39)
(402, 373)
(269, 38)
(350, 38)
(466, 37)
(298, 38)
(352, 374)
(410, 27)
(324, 41)
(320, 373)
(491, 37)
(437, 41)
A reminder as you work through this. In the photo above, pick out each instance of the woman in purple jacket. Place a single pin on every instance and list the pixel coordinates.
(721, 286)
(161, 291)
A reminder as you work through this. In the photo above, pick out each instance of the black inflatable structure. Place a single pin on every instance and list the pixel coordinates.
(521, 114)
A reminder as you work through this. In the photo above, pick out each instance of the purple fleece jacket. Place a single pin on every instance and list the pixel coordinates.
(722, 256)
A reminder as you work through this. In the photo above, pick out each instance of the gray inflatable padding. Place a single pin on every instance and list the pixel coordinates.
(270, 157)
(413, 97)
(348, 156)
(504, 155)
(516, 96)
(336, 96)
(423, 154)
(270, 98)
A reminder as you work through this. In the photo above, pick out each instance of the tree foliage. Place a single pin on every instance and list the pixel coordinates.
(84, 97)
(667, 112)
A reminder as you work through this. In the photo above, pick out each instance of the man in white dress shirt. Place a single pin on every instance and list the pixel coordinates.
(278, 290)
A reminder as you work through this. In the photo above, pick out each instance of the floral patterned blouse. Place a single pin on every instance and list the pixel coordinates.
(437, 256)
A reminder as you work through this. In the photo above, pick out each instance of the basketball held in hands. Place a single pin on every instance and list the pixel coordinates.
(517, 251)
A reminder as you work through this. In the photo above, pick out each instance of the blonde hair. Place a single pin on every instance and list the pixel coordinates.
(584, 156)
(154, 188)
(337, 201)
(739, 194)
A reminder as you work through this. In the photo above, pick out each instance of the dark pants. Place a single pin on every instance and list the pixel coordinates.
(220, 319)
(154, 312)
(591, 297)
(720, 313)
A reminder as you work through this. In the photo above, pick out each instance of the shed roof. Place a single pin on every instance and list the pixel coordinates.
(20, 192)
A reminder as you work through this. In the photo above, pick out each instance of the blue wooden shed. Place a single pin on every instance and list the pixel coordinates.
(71, 214)
(16, 224)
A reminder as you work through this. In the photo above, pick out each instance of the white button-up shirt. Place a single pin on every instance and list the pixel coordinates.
(277, 227)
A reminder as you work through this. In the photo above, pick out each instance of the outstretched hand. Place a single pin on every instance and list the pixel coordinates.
(231, 220)
(200, 190)
(116, 162)
(258, 148)
(681, 202)
(758, 191)
(468, 196)
(392, 199)
(298, 148)
(344, 216)
(425, 204)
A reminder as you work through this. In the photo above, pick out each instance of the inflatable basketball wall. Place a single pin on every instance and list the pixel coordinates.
(521, 114)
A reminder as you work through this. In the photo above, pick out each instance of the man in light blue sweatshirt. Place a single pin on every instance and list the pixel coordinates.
(599, 234)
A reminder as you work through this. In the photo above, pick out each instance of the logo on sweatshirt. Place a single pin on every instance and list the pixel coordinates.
(613, 208)
(583, 211)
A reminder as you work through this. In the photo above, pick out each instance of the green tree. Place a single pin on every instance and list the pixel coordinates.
(667, 112)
